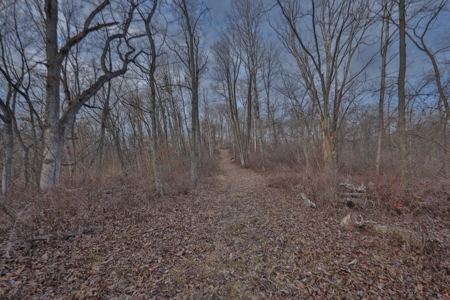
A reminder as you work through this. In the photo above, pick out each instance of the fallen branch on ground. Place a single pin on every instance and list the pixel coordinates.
(307, 201)
(58, 236)
(354, 221)
(68, 234)
(5, 210)
(304, 198)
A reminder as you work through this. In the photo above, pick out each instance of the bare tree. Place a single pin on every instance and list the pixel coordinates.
(386, 40)
(16, 71)
(151, 32)
(175, 121)
(57, 126)
(417, 30)
(245, 20)
(324, 38)
(270, 72)
(190, 15)
(227, 64)
(401, 122)
(208, 128)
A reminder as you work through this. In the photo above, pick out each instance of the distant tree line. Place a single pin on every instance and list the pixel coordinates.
(92, 88)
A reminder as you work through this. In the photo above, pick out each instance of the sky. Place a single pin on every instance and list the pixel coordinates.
(418, 62)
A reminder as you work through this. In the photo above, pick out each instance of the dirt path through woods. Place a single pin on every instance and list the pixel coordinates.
(236, 178)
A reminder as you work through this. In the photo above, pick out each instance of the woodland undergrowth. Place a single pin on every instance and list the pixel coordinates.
(240, 233)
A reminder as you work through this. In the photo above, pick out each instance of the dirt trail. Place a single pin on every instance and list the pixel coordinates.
(236, 190)
(234, 206)
(240, 180)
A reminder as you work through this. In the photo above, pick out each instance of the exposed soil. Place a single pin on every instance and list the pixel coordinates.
(230, 237)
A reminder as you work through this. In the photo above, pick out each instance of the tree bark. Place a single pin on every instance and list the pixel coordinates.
(258, 127)
(104, 120)
(7, 117)
(9, 148)
(248, 133)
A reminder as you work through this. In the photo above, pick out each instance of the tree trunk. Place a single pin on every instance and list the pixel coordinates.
(304, 146)
(71, 155)
(384, 48)
(152, 83)
(52, 157)
(53, 138)
(166, 129)
(118, 145)
(327, 146)
(258, 124)
(199, 140)
(249, 120)
(9, 147)
(156, 170)
(194, 132)
(401, 123)
(105, 113)
(26, 165)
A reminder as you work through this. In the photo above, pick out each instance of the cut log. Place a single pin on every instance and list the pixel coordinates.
(352, 221)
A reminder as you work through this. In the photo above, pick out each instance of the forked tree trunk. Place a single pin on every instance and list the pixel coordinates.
(55, 127)
(326, 56)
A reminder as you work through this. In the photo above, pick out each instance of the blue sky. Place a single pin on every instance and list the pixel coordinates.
(418, 62)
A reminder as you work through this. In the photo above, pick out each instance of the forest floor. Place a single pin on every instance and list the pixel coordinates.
(235, 235)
